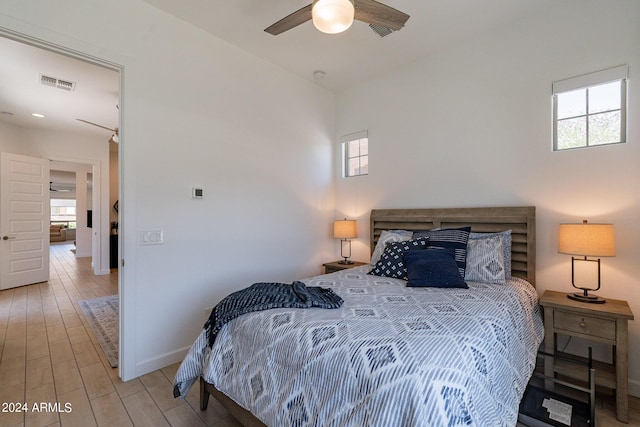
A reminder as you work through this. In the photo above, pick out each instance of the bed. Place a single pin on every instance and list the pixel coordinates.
(392, 354)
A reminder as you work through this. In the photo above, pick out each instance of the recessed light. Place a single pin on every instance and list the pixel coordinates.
(38, 115)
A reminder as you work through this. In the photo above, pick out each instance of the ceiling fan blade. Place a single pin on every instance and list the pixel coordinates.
(373, 12)
(290, 21)
(95, 124)
(62, 190)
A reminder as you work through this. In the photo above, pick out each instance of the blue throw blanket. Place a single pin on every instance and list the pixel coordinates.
(265, 296)
(257, 297)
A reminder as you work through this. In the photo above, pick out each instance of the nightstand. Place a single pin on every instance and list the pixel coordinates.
(332, 267)
(605, 323)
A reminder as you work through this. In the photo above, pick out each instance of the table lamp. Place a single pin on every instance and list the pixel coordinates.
(586, 240)
(346, 230)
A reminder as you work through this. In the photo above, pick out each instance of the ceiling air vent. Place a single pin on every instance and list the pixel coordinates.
(55, 82)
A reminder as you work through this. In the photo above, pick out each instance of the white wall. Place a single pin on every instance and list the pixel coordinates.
(471, 126)
(197, 111)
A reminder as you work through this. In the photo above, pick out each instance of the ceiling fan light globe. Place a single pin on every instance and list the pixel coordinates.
(332, 16)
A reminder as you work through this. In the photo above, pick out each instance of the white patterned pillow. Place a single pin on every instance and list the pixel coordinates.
(388, 236)
(506, 247)
(485, 261)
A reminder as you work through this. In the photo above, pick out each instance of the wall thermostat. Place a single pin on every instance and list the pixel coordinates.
(197, 193)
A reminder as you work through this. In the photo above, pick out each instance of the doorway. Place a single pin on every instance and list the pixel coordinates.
(66, 130)
(64, 107)
(71, 197)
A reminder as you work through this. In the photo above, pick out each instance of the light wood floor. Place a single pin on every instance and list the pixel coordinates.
(48, 354)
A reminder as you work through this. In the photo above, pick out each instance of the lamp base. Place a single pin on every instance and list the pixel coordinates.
(345, 261)
(594, 299)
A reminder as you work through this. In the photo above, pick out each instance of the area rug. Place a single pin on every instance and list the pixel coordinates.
(103, 317)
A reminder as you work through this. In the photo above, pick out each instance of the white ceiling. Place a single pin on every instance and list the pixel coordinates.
(346, 59)
(94, 98)
(357, 54)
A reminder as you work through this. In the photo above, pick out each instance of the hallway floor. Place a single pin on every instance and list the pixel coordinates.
(49, 355)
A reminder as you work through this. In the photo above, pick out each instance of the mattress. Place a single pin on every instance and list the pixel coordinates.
(391, 355)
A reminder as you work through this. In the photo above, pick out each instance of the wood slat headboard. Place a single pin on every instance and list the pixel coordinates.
(520, 219)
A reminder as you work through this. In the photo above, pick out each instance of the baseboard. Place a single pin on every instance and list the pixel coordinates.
(161, 361)
(634, 388)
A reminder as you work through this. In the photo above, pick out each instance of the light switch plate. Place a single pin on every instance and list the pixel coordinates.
(151, 237)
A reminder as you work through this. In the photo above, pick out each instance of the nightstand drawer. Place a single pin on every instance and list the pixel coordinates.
(592, 326)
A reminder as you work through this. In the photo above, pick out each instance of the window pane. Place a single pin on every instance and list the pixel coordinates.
(354, 148)
(604, 97)
(364, 146)
(63, 210)
(364, 165)
(572, 133)
(573, 103)
(353, 167)
(604, 128)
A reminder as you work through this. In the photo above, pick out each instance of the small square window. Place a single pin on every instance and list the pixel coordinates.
(355, 149)
(590, 110)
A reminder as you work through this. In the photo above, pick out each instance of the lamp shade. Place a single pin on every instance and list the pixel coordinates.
(332, 16)
(587, 239)
(345, 229)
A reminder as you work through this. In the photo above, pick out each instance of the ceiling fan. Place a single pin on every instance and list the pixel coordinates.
(336, 16)
(114, 137)
(62, 190)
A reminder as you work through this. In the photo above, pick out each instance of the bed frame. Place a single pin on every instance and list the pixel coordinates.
(520, 219)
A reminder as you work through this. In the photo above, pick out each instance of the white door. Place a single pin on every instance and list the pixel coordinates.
(24, 220)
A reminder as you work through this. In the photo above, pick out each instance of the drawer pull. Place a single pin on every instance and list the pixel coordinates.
(583, 324)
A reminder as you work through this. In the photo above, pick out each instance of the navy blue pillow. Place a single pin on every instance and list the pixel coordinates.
(433, 268)
(391, 262)
(450, 238)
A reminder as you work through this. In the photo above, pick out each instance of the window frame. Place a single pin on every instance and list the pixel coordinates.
(345, 142)
(589, 81)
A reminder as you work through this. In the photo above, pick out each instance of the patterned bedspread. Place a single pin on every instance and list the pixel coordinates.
(390, 356)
